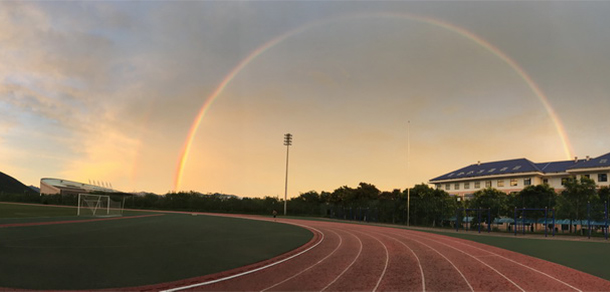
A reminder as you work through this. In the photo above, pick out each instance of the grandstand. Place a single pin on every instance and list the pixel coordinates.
(52, 186)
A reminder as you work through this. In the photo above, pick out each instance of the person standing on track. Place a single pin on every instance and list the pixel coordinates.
(274, 215)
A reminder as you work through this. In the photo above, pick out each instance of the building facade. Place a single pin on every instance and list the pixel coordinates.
(516, 174)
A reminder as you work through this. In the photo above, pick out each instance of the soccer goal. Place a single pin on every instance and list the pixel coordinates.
(98, 205)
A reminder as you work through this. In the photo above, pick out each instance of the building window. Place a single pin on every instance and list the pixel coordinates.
(500, 183)
(586, 175)
(457, 186)
(447, 186)
(527, 181)
(564, 180)
(477, 184)
(545, 181)
(488, 184)
(466, 185)
(602, 177)
(438, 186)
(513, 182)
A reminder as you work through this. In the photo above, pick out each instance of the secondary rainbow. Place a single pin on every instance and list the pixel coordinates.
(184, 154)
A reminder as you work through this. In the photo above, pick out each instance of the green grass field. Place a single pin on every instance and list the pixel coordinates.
(8, 210)
(134, 251)
(24, 213)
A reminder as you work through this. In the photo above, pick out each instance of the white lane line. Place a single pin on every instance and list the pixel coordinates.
(518, 263)
(421, 269)
(387, 259)
(492, 268)
(350, 265)
(251, 271)
(452, 264)
(303, 271)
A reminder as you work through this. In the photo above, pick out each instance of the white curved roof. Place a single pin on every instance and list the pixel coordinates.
(64, 183)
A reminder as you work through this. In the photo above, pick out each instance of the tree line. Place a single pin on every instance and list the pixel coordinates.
(580, 200)
(428, 206)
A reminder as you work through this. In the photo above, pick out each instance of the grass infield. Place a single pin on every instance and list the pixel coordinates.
(136, 251)
(29, 213)
(13, 211)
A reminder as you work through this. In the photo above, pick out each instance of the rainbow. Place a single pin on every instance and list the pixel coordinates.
(184, 154)
(186, 149)
(567, 147)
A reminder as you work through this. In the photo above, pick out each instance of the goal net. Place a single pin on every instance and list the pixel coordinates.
(98, 205)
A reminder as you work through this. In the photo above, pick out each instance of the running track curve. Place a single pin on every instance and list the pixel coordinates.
(351, 257)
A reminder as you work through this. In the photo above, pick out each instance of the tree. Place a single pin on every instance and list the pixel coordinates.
(311, 197)
(572, 203)
(417, 204)
(490, 198)
(534, 197)
(389, 206)
(444, 206)
(365, 193)
(359, 197)
(539, 196)
(430, 206)
(306, 204)
(604, 194)
(325, 197)
(340, 196)
(602, 204)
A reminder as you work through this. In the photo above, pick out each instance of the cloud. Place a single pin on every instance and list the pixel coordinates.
(109, 156)
(110, 89)
(53, 84)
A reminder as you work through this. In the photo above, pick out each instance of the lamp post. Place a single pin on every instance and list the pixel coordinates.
(287, 143)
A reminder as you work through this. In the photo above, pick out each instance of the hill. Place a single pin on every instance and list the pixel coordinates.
(10, 185)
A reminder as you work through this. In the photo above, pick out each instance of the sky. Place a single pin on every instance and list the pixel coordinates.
(163, 96)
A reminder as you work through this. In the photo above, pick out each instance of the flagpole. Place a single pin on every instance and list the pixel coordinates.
(408, 186)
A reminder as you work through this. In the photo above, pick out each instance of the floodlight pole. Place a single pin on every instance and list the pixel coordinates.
(287, 143)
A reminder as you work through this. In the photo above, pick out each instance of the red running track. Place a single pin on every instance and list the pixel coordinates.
(350, 257)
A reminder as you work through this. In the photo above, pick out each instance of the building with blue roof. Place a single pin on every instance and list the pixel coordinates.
(515, 174)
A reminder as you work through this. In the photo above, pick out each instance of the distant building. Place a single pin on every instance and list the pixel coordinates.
(514, 175)
(52, 186)
(225, 196)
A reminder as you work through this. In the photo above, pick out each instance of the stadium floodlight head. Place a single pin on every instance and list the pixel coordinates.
(287, 143)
